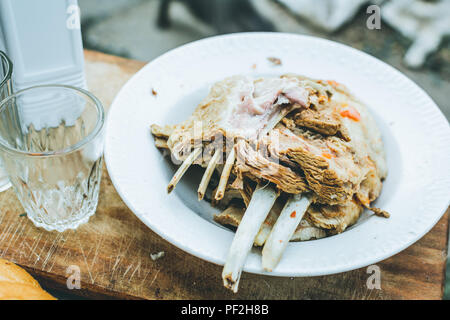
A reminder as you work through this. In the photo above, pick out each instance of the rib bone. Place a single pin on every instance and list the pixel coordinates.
(282, 231)
(225, 175)
(262, 201)
(208, 173)
(182, 169)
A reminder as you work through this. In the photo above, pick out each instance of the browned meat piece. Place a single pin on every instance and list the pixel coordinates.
(161, 143)
(288, 122)
(322, 116)
(241, 189)
(370, 190)
(379, 212)
(230, 194)
(162, 132)
(246, 192)
(370, 187)
(323, 121)
(231, 216)
(326, 162)
(251, 163)
(313, 120)
(334, 218)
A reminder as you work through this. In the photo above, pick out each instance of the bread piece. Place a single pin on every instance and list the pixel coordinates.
(17, 284)
(9, 272)
(19, 291)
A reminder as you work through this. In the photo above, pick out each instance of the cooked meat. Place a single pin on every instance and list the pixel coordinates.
(238, 107)
(305, 231)
(353, 117)
(232, 216)
(237, 190)
(328, 165)
(326, 144)
(230, 195)
(252, 164)
(301, 158)
(246, 192)
(321, 120)
(161, 132)
(379, 212)
(338, 166)
(161, 143)
(334, 218)
(318, 220)
(321, 116)
(370, 187)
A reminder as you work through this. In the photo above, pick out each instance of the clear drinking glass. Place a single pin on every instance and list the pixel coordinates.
(6, 68)
(51, 143)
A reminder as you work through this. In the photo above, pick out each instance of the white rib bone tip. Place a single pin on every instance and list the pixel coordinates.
(261, 203)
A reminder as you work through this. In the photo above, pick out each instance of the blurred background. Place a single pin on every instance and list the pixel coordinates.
(412, 35)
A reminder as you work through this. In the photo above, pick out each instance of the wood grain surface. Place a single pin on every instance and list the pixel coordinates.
(113, 251)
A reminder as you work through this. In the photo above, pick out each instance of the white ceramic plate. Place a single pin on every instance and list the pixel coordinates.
(415, 133)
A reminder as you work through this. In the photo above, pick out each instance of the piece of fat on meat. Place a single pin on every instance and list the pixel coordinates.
(238, 106)
(306, 231)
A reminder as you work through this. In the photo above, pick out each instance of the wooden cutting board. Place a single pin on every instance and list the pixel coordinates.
(113, 251)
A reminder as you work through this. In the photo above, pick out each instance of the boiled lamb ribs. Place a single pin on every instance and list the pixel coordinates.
(298, 158)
